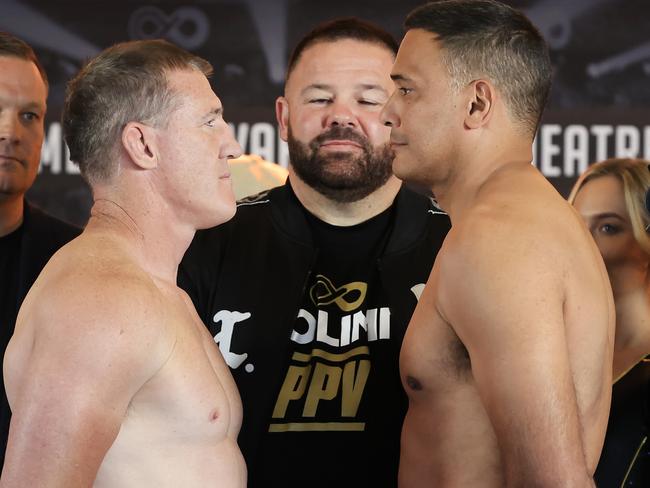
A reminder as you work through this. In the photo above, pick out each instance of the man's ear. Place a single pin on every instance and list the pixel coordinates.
(282, 116)
(480, 105)
(139, 142)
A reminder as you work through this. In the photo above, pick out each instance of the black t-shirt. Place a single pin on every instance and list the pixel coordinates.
(9, 279)
(625, 459)
(341, 390)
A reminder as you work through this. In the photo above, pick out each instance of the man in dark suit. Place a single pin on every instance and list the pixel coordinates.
(28, 237)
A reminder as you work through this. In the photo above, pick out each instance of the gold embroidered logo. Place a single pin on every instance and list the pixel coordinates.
(347, 297)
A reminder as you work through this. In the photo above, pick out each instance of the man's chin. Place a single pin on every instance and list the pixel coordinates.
(400, 168)
(325, 157)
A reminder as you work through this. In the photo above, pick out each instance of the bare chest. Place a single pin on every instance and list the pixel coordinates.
(193, 394)
(432, 355)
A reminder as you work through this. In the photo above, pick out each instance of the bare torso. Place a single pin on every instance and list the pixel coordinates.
(180, 426)
(449, 438)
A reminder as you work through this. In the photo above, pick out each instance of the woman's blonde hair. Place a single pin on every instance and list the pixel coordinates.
(635, 176)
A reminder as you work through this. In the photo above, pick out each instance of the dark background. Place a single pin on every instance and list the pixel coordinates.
(600, 50)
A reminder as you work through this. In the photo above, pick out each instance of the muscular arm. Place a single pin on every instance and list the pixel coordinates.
(504, 297)
(94, 346)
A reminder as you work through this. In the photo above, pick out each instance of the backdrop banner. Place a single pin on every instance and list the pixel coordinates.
(598, 106)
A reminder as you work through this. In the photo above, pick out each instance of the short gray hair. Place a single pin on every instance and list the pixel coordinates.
(126, 82)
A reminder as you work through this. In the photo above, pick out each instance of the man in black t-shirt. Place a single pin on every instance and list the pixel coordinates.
(28, 237)
(309, 289)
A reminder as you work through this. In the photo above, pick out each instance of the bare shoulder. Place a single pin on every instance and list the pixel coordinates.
(100, 300)
(92, 331)
(525, 227)
(498, 256)
(493, 240)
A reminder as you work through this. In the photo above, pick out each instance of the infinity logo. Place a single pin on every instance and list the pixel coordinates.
(347, 297)
(186, 26)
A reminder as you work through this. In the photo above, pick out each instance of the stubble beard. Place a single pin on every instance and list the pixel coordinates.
(341, 176)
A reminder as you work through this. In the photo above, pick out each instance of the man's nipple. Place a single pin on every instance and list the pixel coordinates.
(214, 415)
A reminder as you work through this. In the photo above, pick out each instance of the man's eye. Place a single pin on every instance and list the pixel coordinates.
(405, 91)
(319, 100)
(368, 102)
(30, 116)
(210, 123)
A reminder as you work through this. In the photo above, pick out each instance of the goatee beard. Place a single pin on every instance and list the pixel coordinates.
(341, 176)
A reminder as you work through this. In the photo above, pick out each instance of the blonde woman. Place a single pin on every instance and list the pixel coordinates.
(610, 197)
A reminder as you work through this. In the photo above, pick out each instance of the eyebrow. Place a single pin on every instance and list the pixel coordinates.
(322, 86)
(315, 86)
(399, 77)
(606, 215)
(218, 111)
(33, 105)
(371, 86)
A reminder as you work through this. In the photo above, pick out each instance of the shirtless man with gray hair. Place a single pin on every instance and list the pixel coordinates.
(112, 378)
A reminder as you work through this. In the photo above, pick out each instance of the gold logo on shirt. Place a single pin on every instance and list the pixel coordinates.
(347, 297)
(320, 378)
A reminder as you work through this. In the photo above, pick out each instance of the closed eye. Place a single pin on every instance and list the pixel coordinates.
(368, 102)
(320, 100)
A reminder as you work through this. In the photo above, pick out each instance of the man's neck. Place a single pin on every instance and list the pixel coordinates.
(156, 238)
(458, 193)
(348, 213)
(11, 215)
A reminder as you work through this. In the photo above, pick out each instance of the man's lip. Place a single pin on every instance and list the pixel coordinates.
(395, 143)
(4, 157)
(340, 142)
(224, 176)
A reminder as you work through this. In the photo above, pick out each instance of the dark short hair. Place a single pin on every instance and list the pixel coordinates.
(485, 38)
(10, 45)
(339, 29)
(126, 82)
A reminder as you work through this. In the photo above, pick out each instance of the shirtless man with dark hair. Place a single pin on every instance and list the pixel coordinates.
(507, 360)
(112, 377)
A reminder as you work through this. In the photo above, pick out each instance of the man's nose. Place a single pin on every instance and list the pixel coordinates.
(9, 127)
(340, 114)
(388, 116)
(230, 149)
